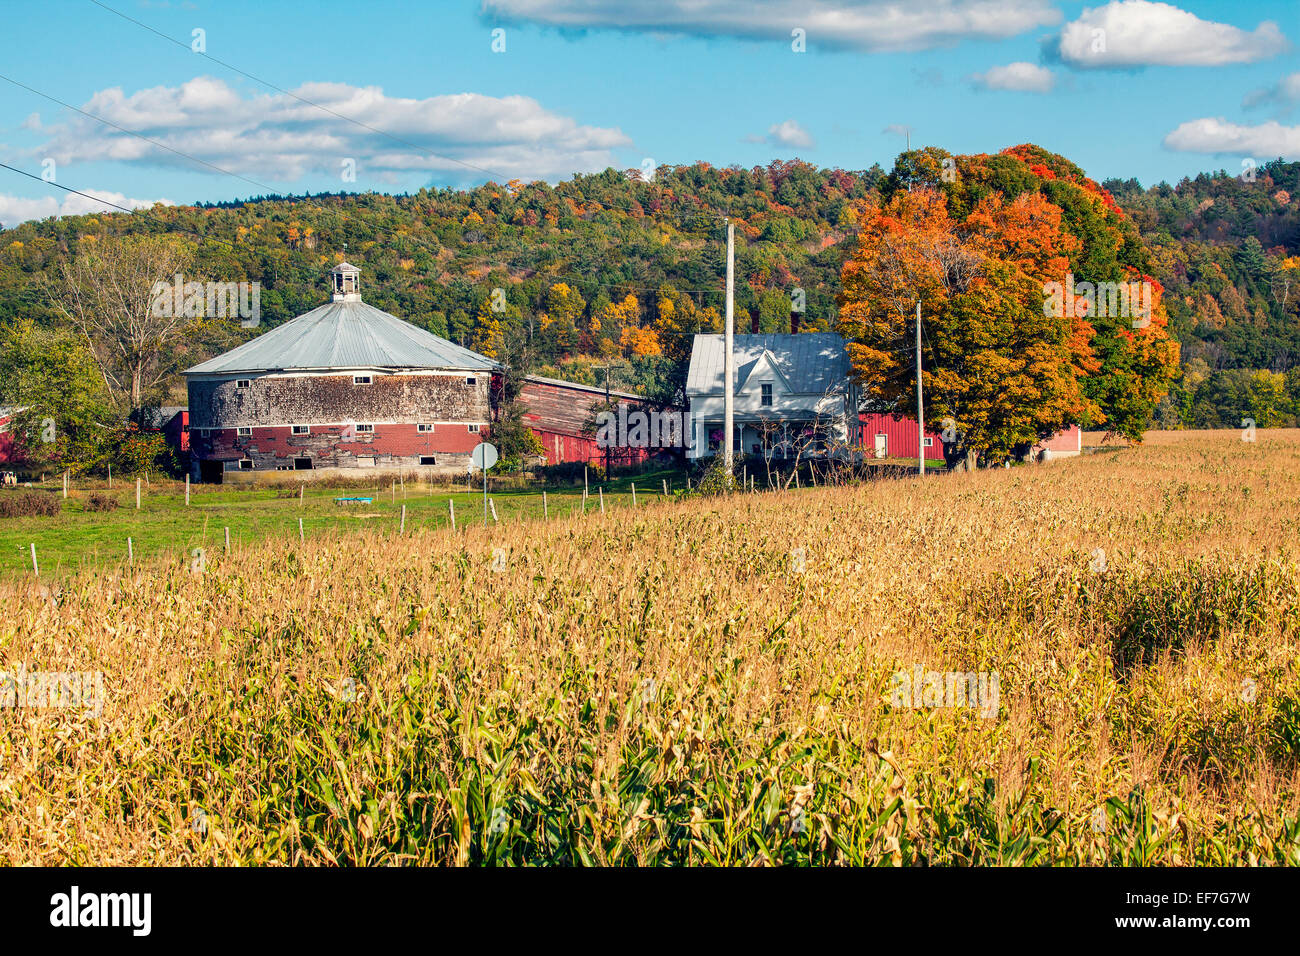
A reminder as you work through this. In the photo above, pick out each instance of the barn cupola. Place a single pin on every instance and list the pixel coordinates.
(347, 282)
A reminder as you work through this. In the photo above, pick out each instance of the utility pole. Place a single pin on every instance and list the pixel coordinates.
(607, 369)
(728, 359)
(920, 408)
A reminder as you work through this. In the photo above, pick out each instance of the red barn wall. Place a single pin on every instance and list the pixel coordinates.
(557, 415)
(900, 436)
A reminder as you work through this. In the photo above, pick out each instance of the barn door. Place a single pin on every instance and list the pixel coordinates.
(881, 447)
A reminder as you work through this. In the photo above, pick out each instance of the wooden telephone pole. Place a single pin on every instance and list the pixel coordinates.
(920, 407)
(728, 358)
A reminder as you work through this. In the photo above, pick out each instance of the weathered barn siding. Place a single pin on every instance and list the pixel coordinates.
(559, 412)
(339, 446)
(331, 406)
(333, 399)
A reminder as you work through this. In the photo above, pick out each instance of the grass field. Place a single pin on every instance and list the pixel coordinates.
(80, 538)
(699, 681)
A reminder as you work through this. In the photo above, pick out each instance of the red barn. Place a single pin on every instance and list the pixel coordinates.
(891, 436)
(559, 413)
(1063, 444)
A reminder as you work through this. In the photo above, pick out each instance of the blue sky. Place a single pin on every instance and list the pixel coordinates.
(1128, 88)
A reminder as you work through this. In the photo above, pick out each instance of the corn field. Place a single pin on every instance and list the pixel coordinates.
(699, 681)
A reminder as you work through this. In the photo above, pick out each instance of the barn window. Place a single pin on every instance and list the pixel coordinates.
(245, 464)
(428, 460)
(301, 429)
(365, 429)
(473, 429)
(360, 379)
(766, 397)
(471, 380)
(424, 428)
(928, 443)
(366, 461)
(243, 383)
(245, 432)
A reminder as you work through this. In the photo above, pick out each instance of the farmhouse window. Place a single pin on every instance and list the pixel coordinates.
(360, 379)
(365, 429)
(244, 432)
(766, 398)
(473, 429)
(301, 429)
(243, 383)
(424, 428)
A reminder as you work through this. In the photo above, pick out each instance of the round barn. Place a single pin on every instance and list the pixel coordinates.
(345, 386)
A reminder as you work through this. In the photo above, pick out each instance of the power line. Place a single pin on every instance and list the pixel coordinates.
(140, 136)
(132, 212)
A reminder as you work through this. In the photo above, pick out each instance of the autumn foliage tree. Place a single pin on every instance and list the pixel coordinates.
(978, 240)
(999, 372)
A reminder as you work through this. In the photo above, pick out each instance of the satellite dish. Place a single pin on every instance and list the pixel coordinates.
(484, 456)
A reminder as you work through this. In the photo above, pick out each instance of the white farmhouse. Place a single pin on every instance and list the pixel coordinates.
(792, 395)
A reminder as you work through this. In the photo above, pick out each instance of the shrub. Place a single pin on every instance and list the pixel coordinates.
(23, 504)
(101, 502)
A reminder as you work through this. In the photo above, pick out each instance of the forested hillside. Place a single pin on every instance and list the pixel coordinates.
(1227, 249)
(611, 269)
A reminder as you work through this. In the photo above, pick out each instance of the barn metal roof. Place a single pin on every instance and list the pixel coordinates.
(813, 363)
(345, 334)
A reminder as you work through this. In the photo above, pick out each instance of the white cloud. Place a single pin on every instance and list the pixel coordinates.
(876, 25)
(1286, 92)
(279, 138)
(1021, 76)
(1216, 135)
(789, 133)
(1132, 33)
(19, 209)
(33, 122)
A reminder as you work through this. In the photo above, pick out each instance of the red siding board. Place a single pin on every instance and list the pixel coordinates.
(900, 436)
(557, 416)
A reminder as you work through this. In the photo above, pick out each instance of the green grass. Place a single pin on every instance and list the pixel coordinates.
(78, 538)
